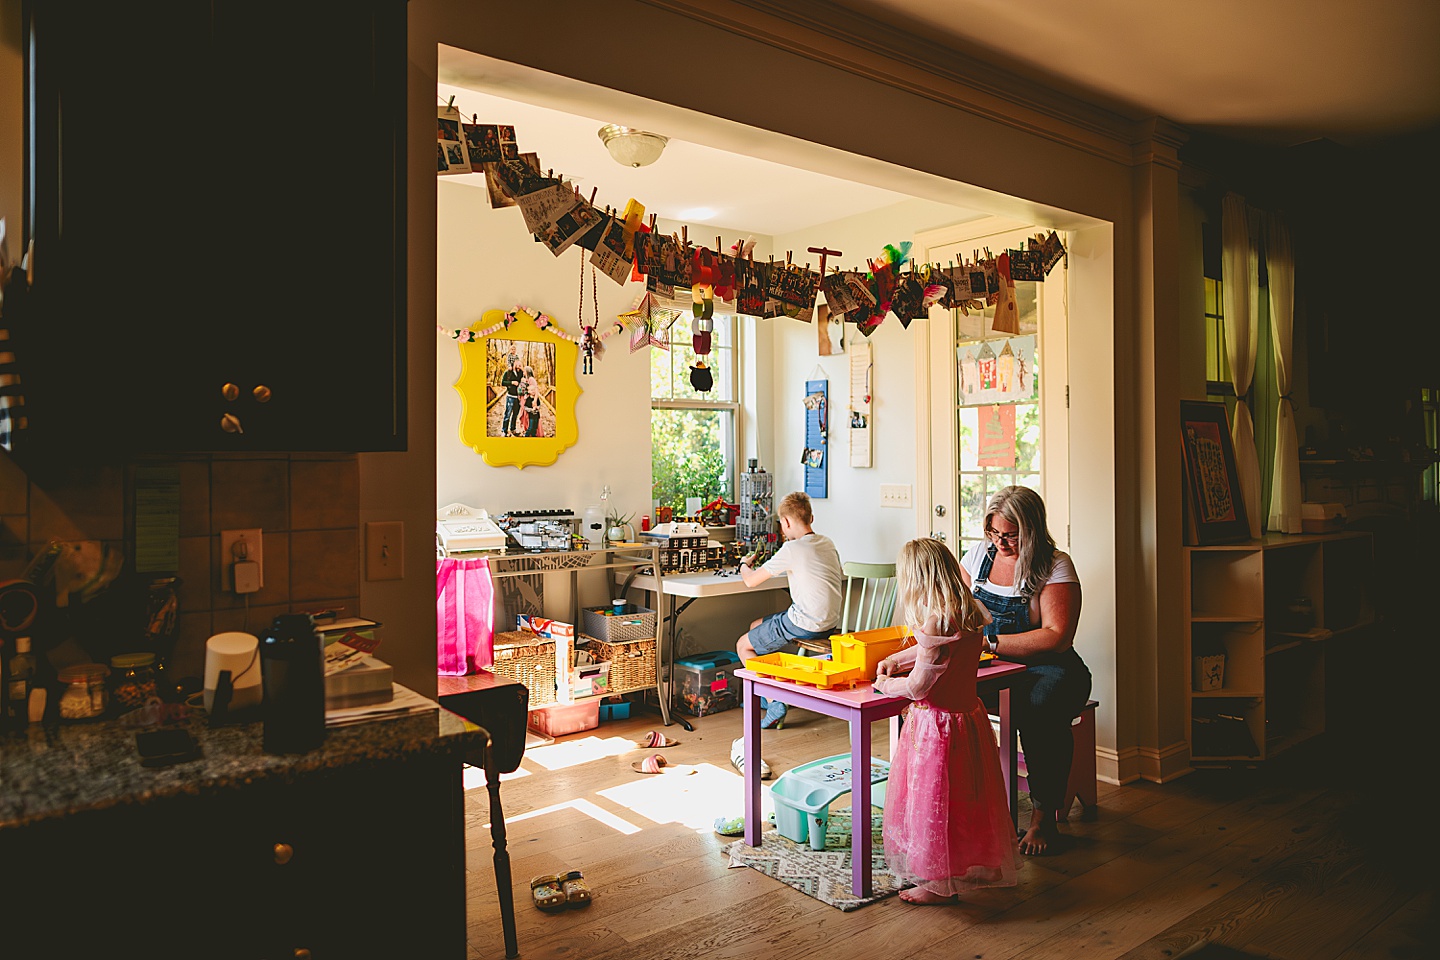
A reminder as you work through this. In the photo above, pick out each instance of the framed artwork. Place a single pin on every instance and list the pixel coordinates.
(1214, 506)
(517, 391)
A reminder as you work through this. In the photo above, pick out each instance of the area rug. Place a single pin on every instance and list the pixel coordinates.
(824, 875)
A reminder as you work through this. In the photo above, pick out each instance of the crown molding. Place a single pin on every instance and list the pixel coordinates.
(877, 51)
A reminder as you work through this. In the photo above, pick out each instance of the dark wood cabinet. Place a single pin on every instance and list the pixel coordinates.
(215, 191)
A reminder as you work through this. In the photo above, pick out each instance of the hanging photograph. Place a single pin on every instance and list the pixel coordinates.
(1214, 504)
(482, 140)
(612, 255)
(453, 158)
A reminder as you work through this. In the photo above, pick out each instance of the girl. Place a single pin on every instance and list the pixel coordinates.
(947, 825)
(530, 410)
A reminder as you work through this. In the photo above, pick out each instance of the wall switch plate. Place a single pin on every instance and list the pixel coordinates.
(237, 546)
(385, 550)
(894, 494)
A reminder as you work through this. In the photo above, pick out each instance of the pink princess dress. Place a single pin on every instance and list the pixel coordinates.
(947, 824)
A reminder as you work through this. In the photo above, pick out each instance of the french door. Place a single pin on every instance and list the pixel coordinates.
(967, 444)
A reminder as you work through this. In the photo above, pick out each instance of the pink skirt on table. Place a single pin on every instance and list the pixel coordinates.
(947, 823)
(463, 600)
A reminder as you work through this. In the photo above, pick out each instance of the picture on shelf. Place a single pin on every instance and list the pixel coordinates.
(1215, 506)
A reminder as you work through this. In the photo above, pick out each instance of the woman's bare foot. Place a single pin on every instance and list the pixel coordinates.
(1041, 833)
(926, 897)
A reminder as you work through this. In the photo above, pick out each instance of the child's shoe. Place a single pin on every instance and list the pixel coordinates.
(737, 759)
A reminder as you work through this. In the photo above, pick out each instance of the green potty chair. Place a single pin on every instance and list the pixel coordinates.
(802, 796)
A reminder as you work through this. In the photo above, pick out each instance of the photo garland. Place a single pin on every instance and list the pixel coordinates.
(624, 249)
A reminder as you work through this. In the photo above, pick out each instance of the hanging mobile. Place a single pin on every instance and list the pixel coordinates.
(590, 345)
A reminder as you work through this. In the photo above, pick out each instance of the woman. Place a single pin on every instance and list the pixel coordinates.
(1033, 595)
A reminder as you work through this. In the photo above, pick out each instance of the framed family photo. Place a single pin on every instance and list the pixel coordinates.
(1214, 505)
(517, 391)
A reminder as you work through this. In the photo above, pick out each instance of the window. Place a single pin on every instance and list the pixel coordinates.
(692, 432)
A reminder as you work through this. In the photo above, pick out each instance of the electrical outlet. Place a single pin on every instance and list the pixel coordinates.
(894, 494)
(385, 550)
(237, 546)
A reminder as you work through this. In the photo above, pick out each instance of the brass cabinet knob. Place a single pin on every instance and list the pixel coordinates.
(230, 392)
(231, 424)
(302, 954)
(284, 853)
(262, 394)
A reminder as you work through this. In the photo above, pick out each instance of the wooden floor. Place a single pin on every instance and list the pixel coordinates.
(1315, 856)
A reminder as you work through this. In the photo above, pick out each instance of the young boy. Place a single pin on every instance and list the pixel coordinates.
(812, 565)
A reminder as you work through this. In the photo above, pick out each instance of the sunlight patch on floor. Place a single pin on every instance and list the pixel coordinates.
(572, 753)
(591, 810)
(473, 778)
(694, 801)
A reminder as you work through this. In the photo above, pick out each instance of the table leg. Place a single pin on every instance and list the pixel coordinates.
(859, 806)
(667, 601)
(752, 764)
(1008, 759)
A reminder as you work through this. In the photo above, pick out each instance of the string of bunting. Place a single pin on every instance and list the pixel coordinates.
(542, 320)
(626, 248)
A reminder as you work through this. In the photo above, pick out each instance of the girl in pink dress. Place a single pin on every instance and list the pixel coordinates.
(947, 825)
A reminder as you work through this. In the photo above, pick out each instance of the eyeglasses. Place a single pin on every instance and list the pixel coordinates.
(1011, 538)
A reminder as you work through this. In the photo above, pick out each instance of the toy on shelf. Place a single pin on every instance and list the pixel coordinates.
(755, 521)
(548, 531)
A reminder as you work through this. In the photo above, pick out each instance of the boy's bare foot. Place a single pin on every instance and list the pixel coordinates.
(926, 897)
(1041, 835)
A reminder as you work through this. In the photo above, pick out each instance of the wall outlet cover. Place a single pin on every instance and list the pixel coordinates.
(238, 545)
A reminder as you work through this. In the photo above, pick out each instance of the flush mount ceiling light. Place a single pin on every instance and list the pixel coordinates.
(633, 148)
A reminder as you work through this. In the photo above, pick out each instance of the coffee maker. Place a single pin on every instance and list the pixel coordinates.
(292, 664)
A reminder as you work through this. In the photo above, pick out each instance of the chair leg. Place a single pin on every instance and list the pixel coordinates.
(504, 886)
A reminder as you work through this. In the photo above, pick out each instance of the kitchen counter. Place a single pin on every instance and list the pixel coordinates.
(76, 767)
(355, 850)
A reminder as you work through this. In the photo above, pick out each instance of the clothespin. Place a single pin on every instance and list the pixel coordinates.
(593, 191)
(451, 104)
(685, 234)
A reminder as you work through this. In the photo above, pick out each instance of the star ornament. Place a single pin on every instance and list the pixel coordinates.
(647, 322)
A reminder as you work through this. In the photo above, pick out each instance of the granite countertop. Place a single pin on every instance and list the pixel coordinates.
(55, 771)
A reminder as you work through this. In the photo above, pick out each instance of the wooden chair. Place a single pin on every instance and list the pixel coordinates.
(870, 591)
(502, 708)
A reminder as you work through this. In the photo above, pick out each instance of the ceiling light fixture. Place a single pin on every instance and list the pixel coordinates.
(633, 148)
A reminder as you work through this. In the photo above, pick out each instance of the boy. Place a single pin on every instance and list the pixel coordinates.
(812, 565)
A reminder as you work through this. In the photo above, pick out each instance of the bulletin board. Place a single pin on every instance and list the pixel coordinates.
(817, 429)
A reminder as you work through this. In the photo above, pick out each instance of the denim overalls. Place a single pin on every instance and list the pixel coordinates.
(1045, 698)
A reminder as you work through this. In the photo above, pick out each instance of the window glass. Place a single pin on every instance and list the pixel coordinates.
(693, 431)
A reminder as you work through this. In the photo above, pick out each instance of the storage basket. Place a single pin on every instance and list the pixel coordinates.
(527, 659)
(632, 662)
(636, 623)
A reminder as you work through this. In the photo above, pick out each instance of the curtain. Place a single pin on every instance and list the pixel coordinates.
(463, 601)
(1241, 278)
(1285, 479)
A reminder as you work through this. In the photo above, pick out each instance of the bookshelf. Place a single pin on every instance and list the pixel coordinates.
(1272, 609)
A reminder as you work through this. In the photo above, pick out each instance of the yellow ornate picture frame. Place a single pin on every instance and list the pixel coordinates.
(517, 389)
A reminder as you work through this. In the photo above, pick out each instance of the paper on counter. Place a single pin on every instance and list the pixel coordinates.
(402, 703)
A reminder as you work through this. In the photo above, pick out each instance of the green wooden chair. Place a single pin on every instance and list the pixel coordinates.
(870, 591)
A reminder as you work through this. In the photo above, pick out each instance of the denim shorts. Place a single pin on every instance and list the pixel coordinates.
(777, 630)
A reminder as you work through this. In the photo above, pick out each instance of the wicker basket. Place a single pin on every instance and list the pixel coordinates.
(528, 659)
(636, 625)
(632, 662)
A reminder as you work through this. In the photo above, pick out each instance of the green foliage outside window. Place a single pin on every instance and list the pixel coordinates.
(686, 457)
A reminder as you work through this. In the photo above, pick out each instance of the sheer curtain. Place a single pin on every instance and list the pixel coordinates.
(1241, 278)
(1285, 479)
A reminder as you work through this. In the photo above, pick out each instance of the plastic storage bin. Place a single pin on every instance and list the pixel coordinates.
(706, 683)
(866, 648)
(559, 719)
(802, 796)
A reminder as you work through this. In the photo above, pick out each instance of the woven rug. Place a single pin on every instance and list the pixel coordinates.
(824, 875)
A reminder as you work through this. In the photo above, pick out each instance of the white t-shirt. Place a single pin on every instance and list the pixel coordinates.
(813, 565)
(1064, 572)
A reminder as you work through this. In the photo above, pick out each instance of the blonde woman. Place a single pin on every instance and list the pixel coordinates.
(1032, 593)
(947, 822)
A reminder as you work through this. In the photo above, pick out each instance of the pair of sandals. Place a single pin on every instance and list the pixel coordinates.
(560, 891)
(656, 763)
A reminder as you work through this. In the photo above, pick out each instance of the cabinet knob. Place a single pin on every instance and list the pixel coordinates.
(230, 392)
(283, 854)
(262, 393)
(302, 954)
(231, 424)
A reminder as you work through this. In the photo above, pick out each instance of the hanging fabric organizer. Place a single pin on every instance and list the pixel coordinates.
(817, 428)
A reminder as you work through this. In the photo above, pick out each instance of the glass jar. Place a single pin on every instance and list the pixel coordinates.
(132, 681)
(84, 695)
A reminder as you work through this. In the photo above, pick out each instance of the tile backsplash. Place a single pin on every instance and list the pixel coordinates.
(306, 505)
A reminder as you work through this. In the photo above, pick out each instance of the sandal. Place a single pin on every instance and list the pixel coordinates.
(577, 891)
(655, 739)
(656, 763)
(547, 892)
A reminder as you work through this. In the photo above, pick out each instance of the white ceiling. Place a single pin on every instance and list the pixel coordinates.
(1269, 71)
